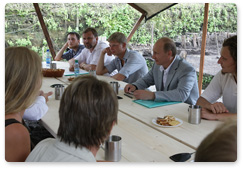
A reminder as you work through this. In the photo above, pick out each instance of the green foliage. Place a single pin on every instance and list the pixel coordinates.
(60, 18)
(52, 24)
(34, 48)
(70, 29)
(183, 18)
(149, 63)
(10, 43)
(44, 42)
(206, 80)
(23, 42)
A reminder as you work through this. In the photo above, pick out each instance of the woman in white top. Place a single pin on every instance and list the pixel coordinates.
(39, 108)
(223, 84)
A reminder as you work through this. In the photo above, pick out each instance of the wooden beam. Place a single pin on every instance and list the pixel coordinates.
(135, 27)
(203, 47)
(137, 8)
(44, 29)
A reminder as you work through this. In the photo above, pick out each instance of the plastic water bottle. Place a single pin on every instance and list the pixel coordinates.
(76, 68)
(48, 59)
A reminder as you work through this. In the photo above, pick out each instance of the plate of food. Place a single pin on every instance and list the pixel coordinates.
(71, 79)
(167, 121)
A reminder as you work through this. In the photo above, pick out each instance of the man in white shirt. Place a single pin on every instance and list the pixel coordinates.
(223, 84)
(89, 57)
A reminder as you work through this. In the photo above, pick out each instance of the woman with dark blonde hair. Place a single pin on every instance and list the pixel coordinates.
(22, 84)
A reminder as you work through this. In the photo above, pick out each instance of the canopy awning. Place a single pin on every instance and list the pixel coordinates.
(151, 9)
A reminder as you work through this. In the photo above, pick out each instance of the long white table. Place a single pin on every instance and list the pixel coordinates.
(139, 142)
(188, 134)
(142, 140)
(51, 119)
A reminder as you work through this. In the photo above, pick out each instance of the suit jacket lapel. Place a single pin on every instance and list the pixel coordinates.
(172, 72)
(159, 78)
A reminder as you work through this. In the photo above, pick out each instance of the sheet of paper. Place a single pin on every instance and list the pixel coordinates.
(81, 72)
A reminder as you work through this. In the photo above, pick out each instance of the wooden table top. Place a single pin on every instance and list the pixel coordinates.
(141, 139)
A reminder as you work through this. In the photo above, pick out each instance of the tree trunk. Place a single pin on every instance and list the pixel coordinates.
(195, 40)
(77, 21)
(65, 23)
(217, 43)
(183, 41)
(152, 37)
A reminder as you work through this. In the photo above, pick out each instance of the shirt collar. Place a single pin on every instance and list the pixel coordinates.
(168, 68)
(79, 46)
(126, 54)
(79, 152)
(96, 46)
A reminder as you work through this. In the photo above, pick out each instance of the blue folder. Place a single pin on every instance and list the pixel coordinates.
(152, 104)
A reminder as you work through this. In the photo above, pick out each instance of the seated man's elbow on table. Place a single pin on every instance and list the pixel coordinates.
(57, 58)
(101, 71)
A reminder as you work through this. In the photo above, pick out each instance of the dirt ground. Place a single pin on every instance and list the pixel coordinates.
(210, 63)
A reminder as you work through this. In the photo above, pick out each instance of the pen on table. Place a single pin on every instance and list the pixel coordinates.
(128, 95)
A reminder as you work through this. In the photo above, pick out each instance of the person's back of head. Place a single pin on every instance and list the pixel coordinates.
(90, 29)
(220, 145)
(22, 78)
(117, 37)
(88, 110)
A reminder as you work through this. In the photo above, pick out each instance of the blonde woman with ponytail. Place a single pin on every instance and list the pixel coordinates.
(23, 80)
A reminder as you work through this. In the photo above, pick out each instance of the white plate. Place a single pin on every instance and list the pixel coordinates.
(154, 122)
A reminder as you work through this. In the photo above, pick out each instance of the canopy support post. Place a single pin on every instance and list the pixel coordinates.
(203, 47)
(45, 31)
(135, 28)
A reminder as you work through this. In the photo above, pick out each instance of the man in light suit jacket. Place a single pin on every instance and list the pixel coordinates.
(174, 78)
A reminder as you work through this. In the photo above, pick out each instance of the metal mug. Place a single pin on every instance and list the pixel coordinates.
(115, 86)
(92, 72)
(194, 116)
(59, 89)
(113, 148)
(53, 66)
